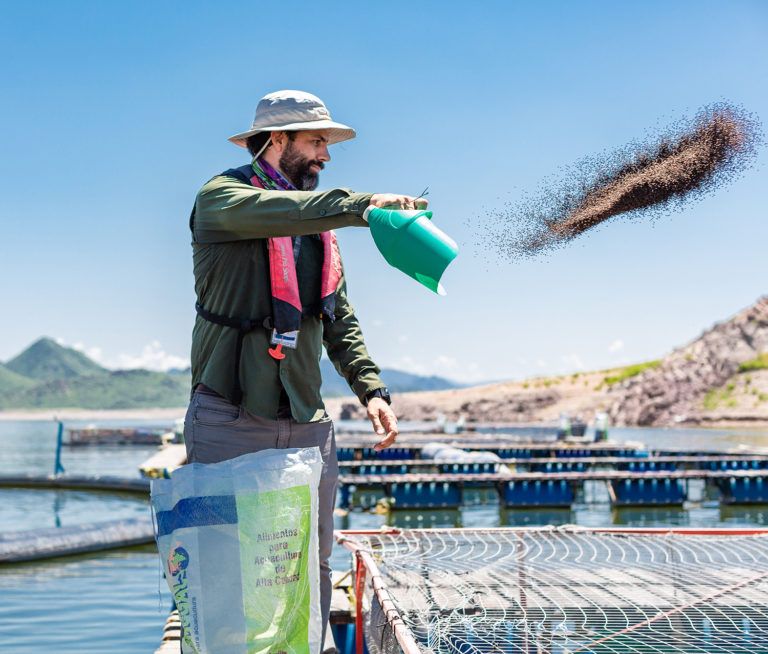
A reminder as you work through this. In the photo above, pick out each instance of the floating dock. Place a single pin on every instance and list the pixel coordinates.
(540, 474)
(164, 462)
(76, 482)
(64, 541)
(556, 489)
(551, 474)
(88, 436)
(171, 640)
(557, 464)
(16, 547)
(357, 449)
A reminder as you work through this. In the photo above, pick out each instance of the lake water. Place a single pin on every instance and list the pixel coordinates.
(117, 601)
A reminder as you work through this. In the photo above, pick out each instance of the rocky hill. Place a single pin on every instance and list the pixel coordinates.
(685, 386)
(721, 378)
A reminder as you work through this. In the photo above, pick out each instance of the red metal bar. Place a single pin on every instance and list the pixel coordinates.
(359, 586)
(366, 564)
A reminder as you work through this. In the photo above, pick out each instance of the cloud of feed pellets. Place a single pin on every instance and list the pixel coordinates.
(659, 174)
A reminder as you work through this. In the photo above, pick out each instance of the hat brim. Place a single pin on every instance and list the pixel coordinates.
(337, 131)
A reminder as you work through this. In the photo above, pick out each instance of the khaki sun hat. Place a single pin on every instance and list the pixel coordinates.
(290, 111)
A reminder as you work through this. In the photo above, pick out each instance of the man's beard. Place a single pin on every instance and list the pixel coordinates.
(296, 167)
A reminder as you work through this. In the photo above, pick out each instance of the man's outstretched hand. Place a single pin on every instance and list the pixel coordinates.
(384, 422)
(394, 201)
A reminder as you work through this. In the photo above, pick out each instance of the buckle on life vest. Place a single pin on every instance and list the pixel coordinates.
(289, 339)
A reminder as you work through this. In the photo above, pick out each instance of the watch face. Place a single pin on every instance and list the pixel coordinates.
(383, 393)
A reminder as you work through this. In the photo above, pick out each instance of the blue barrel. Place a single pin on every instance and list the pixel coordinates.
(521, 493)
(743, 490)
(425, 495)
(639, 492)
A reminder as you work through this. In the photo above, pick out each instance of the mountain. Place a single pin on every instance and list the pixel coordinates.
(718, 379)
(50, 376)
(334, 385)
(11, 381)
(46, 360)
(117, 389)
(405, 382)
(727, 362)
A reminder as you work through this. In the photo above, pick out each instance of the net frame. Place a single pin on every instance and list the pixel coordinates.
(379, 599)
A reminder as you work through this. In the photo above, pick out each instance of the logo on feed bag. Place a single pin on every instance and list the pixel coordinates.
(178, 560)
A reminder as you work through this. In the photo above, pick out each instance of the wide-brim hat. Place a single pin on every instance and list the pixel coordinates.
(291, 111)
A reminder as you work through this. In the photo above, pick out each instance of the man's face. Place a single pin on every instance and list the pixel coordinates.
(302, 159)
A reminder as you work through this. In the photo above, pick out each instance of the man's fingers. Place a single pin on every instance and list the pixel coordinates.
(394, 201)
(386, 442)
(384, 421)
(377, 426)
(399, 202)
(389, 422)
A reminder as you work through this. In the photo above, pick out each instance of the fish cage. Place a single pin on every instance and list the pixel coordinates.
(560, 590)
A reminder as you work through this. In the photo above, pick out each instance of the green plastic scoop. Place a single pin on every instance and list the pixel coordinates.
(411, 243)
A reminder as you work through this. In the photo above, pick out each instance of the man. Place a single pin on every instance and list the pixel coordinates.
(270, 293)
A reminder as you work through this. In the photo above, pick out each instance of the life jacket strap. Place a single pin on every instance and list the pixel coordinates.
(243, 326)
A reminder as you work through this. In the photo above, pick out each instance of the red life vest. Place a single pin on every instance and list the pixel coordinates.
(286, 305)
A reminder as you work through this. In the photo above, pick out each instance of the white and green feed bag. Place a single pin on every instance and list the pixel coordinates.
(238, 543)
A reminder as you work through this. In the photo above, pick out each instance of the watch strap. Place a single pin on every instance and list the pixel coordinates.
(383, 393)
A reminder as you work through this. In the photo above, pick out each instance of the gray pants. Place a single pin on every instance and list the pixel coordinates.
(216, 430)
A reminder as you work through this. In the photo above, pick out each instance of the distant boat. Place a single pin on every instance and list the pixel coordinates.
(120, 436)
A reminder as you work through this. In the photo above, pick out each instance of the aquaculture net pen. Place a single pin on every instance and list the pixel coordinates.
(561, 590)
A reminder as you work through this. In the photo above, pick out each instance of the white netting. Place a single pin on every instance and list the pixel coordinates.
(560, 591)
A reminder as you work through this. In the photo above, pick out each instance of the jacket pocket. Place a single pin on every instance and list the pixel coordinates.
(215, 411)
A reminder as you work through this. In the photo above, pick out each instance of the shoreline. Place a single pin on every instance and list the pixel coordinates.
(170, 415)
(160, 414)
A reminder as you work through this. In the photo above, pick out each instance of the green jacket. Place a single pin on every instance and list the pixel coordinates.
(232, 220)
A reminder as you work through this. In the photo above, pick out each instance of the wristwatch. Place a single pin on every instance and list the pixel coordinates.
(383, 393)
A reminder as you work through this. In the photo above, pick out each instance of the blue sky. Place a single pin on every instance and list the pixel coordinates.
(113, 115)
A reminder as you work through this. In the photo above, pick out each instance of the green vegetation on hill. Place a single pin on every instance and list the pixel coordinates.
(620, 374)
(739, 391)
(760, 363)
(120, 389)
(11, 381)
(716, 397)
(50, 376)
(46, 360)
